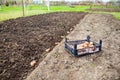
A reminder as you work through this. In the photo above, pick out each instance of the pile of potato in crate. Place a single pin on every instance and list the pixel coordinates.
(81, 47)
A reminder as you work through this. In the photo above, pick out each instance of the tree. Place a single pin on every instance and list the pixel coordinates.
(118, 3)
(93, 4)
(48, 5)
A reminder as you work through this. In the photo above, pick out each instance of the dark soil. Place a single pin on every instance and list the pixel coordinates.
(25, 39)
(106, 9)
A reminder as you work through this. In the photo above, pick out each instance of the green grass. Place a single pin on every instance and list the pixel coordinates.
(67, 8)
(16, 11)
(116, 15)
(100, 6)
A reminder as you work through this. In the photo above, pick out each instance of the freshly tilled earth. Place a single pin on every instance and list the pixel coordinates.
(25, 39)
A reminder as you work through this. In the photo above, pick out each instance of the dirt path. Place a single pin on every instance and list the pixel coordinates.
(59, 65)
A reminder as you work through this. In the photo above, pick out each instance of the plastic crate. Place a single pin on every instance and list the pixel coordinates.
(72, 47)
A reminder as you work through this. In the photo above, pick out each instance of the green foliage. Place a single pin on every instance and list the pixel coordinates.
(7, 3)
(116, 15)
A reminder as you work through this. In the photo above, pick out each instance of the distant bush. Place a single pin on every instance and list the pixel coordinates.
(7, 3)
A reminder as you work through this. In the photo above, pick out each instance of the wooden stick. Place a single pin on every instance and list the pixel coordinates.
(23, 8)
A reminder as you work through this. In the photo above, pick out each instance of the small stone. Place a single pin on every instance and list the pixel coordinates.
(62, 36)
(117, 78)
(66, 61)
(100, 67)
(47, 76)
(14, 66)
(68, 32)
(71, 29)
(45, 63)
(56, 43)
(91, 59)
(12, 60)
(66, 67)
(76, 68)
(56, 61)
(108, 57)
(51, 67)
(73, 61)
(31, 40)
(4, 40)
(47, 50)
(16, 44)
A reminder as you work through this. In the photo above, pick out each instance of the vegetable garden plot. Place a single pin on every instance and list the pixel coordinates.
(23, 40)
